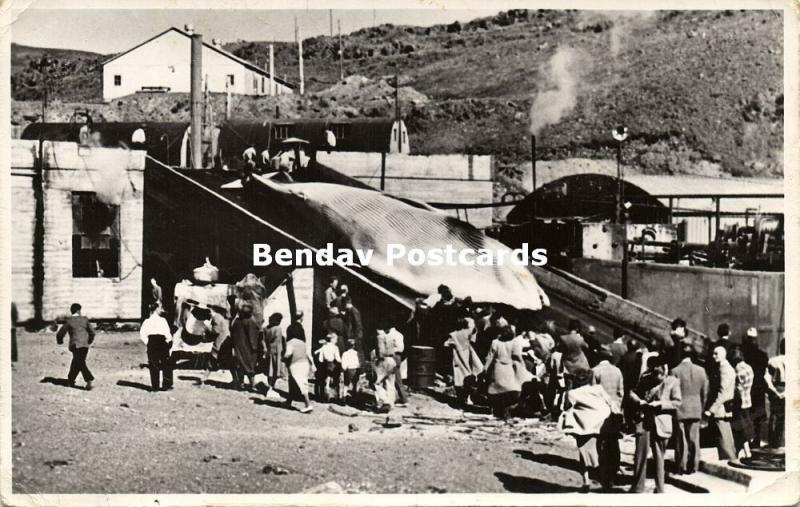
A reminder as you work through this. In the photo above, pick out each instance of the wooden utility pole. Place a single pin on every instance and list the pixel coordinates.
(533, 182)
(38, 194)
(397, 113)
(330, 20)
(271, 70)
(341, 51)
(299, 37)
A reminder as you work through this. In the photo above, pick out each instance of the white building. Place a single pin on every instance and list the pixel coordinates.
(163, 63)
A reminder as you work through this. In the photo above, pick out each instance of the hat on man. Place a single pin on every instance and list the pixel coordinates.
(752, 332)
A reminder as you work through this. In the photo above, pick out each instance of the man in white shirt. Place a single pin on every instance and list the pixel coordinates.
(157, 336)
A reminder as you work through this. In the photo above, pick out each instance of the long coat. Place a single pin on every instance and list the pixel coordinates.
(465, 360)
(500, 362)
(574, 358)
(245, 338)
(274, 343)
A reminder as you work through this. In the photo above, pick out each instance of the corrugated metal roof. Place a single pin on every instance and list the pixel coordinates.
(692, 185)
(667, 184)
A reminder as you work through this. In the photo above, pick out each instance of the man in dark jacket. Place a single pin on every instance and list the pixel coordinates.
(81, 336)
(353, 329)
(334, 324)
(573, 346)
(672, 347)
(757, 359)
(630, 365)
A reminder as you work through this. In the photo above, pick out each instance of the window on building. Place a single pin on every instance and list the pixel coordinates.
(281, 131)
(230, 79)
(262, 85)
(95, 237)
(117, 80)
(340, 130)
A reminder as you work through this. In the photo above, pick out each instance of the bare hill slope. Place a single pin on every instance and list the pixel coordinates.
(694, 87)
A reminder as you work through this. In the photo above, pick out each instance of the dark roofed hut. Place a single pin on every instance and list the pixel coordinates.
(164, 141)
(589, 197)
(366, 135)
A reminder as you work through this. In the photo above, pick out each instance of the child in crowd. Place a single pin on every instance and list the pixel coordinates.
(329, 364)
(350, 367)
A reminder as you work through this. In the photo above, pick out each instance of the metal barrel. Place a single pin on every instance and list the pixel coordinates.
(421, 366)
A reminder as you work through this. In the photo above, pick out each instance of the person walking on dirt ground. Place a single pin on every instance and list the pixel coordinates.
(245, 336)
(300, 364)
(156, 335)
(81, 336)
(273, 345)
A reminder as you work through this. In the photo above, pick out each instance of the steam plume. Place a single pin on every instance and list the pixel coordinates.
(552, 104)
(110, 182)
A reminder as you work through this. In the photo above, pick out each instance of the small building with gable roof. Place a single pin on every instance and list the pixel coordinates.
(163, 64)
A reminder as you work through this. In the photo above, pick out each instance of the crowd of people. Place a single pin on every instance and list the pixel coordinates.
(660, 391)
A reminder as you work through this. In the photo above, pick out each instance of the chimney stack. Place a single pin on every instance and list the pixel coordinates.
(188, 29)
(196, 98)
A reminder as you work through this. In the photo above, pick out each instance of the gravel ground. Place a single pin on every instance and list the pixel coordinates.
(121, 438)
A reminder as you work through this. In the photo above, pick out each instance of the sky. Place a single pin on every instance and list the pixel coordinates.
(108, 31)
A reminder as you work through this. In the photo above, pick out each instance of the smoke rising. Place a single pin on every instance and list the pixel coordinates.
(110, 182)
(552, 104)
(567, 65)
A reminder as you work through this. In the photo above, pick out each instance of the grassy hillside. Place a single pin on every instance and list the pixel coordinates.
(694, 87)
(72, 75)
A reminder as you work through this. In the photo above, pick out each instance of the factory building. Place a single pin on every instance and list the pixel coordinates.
(162, 64)
(90, 243)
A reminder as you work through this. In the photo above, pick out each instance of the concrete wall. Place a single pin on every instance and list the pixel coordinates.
(434, 178)
(703, 297)
(166, 61)
(70, 169)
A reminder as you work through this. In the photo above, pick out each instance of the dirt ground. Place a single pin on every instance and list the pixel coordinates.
(121, 438)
